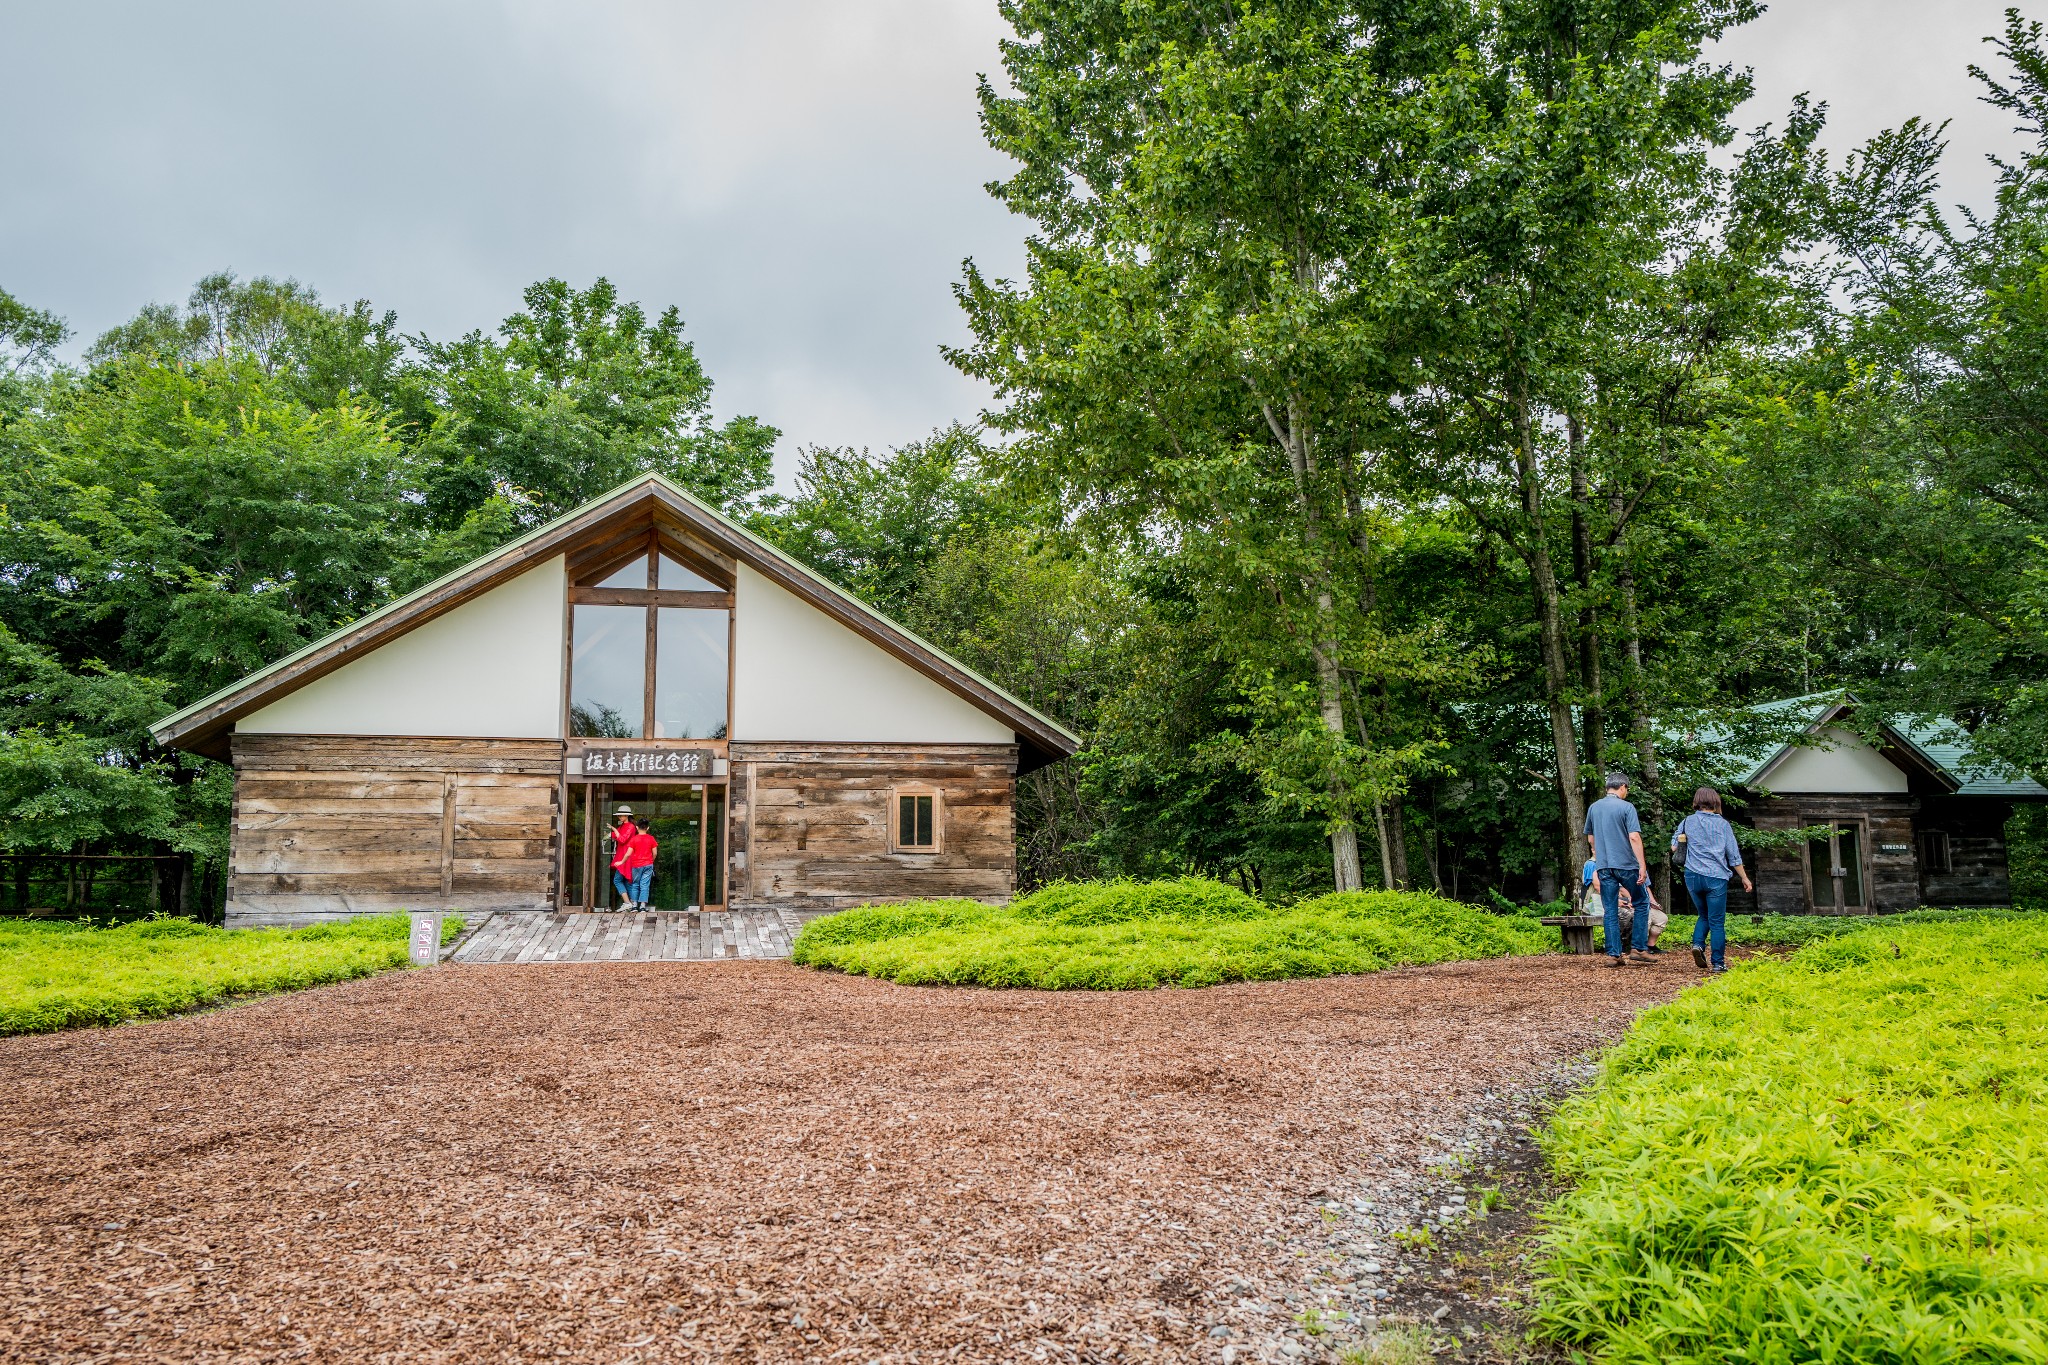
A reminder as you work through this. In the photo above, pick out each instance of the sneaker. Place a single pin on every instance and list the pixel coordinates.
(1699, 958)
(1719, 967)
(1640, 957)
(1617, 962)
(1654, 951)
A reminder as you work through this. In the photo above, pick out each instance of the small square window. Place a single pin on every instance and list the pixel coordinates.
(916, 821)
(1935, 855)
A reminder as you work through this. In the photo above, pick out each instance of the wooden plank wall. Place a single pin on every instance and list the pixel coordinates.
(1894, 878)
(1979, 873)
(331, 826)
(810, 824)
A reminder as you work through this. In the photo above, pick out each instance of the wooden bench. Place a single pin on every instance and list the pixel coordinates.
(1578, 930)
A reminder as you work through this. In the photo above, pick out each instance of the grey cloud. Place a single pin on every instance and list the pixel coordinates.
(802, 177)
(1877, 63)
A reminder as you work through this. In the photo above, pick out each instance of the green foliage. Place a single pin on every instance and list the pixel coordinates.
(59, 792)
(2026, 843)
(1122, 935)
(1793, 931)
(1909, 427)
(28, 335)
(1310, 278)
(582, 392)
(227, 480)
(60, 975)
(876, 525)
(1167, 792)
(1829, 1156)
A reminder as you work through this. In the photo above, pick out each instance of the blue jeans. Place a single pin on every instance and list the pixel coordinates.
(637, 887)
(1710, 898)
(1612, 881)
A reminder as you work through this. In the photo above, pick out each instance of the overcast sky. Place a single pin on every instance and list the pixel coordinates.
(802, 177)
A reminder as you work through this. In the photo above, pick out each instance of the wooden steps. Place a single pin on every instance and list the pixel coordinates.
(512, 936)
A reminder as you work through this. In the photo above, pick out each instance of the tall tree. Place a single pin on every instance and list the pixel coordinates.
(1918, 434)
(576, 394)
(28, 336)
(1215, 326)
(1574, 146)
(876, 524)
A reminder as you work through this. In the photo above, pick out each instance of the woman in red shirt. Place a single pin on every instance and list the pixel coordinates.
(633, 851)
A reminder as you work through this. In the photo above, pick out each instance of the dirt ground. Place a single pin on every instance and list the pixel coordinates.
(736, 1161)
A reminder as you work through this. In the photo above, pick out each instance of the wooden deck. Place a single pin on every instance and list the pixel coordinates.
(659, 936)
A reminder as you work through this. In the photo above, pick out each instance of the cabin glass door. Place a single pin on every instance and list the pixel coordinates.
(687, 821)
(1835, 869)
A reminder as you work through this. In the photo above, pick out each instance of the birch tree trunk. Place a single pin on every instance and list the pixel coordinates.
(1639, 717)
(1590, 708)
(1293, 435)
(1549, 613)
(1344, 862)
(1379, 806)
(1397, 842)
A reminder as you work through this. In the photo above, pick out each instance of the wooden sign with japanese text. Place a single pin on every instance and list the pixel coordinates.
(648, 762)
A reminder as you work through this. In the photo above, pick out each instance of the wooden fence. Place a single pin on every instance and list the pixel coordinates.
(71, 884)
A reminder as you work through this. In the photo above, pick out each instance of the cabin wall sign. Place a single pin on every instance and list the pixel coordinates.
(649, 762)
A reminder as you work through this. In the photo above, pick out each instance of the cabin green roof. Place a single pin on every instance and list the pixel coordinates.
(1941, 744)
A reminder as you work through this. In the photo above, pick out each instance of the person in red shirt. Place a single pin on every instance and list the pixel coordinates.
(633, 851)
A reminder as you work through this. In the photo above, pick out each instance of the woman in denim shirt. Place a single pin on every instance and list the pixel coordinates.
(1710, 859)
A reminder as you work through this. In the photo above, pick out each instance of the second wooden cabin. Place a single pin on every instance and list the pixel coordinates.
(1905, 815)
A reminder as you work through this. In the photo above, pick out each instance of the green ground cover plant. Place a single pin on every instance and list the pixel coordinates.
(1121, 935)
(57, 975)
(1832, 1155)
(1793, 931)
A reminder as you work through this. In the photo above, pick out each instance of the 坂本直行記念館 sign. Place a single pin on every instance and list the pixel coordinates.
(648, 762)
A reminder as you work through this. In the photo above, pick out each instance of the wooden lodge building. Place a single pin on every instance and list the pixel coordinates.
(1912, 818)
(466, 746)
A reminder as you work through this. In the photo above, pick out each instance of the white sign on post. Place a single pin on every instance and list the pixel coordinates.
(426, 937)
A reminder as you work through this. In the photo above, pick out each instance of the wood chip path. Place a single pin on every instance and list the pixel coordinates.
(658, 936)
(629, 1163)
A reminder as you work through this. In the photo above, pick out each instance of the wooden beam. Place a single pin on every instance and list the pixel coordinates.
(447, 835)
(645, 597)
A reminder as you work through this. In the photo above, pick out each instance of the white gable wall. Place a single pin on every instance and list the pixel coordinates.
(490, 668)
(799, 675)
(1847, 764)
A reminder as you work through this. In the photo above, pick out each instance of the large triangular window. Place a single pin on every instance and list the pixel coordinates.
(649, 646)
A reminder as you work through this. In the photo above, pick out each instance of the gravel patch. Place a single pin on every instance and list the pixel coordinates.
(749, 1161)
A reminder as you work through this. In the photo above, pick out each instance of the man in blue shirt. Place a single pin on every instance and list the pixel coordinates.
(1615, 832)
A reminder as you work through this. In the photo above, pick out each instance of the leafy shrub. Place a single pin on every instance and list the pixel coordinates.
(1193, 899)
(57, 975)
(1830, 1156)
(872, 923)
(1792, 931)
(1124, 935)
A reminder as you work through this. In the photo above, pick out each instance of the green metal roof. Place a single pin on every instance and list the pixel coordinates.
(1942, 744)
(1945, 742)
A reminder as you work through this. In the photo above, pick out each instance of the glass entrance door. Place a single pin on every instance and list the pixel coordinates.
(1835, 869)
(687, 821)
